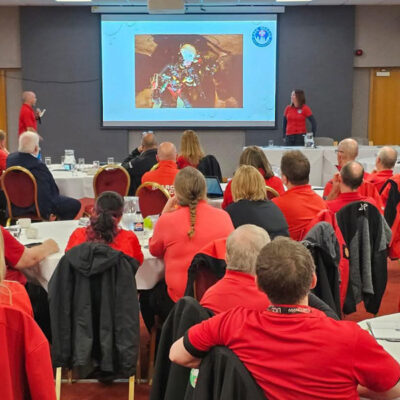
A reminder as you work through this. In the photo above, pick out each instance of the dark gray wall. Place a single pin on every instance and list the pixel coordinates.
(315, 53)
(62, 44)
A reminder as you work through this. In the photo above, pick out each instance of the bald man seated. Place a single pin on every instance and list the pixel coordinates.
(384, 164)
(347, 151)
(350, 179)
(141, 160)
(165, 173)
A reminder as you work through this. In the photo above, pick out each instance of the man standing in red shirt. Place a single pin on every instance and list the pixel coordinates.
(27, 116)
(167, 169)
(385, 162)
(292, 350)
(349, 180)
(299, 204)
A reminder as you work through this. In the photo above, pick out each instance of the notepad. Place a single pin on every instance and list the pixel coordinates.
(385, 330)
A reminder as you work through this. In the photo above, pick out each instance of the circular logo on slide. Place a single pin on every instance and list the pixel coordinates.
(262, 36)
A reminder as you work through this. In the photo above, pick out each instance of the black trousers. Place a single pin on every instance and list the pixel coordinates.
(66, 207)
(154, 302)
(295, 140)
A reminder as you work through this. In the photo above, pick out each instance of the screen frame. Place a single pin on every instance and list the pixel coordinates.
(200, 125)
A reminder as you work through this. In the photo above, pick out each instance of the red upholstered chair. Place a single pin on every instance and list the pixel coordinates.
(20, 189)
(207, 267)
(271, 192)
(108, 178)
(152, 198)
(111, 178)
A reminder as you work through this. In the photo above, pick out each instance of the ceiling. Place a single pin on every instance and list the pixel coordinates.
(198, 2)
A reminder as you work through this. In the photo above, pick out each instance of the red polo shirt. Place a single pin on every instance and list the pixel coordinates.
(235, 288)
(27, 119)
(164, 175)
(346, 198)
(125, 241)
(274, 182)
(302, 356)
(329, 184)
(296, 119)
(379, 178)
(12, 253)
(299, 205)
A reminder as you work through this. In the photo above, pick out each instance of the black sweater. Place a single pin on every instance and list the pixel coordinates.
(263, 213)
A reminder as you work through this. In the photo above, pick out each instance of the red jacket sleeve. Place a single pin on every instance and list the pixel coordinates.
(228, 198)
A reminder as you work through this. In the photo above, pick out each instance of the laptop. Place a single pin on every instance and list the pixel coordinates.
(214, 189)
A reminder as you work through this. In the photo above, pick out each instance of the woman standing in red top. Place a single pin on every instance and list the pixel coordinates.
(255, 157)
(294, 119)
(191, 151)
(103, 228)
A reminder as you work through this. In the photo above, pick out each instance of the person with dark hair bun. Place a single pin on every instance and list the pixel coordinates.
(103, 228)
(294, 119)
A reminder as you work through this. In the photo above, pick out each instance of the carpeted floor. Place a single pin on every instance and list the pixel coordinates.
(119, 391)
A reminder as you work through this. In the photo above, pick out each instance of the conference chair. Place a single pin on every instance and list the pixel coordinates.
(20, 189)
(111, 178)
(367, 236)
(207, 267)
(25, 363)
(362, 140)
(155, 166)
(152, 198)
(94, 312)
(323, 141)
(209, 166)
(271, 192)
(222, 376)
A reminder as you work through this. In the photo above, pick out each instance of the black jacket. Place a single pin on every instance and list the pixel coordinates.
(94, 311)
(367, 235)
(322, 242)
(263, 213)
(209, 166)
(47, 188)
(137, 164)
(222, 376)
(170, 380)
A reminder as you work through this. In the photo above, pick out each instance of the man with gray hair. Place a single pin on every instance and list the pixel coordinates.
(49, 199)
(384, 164)
(238, 286)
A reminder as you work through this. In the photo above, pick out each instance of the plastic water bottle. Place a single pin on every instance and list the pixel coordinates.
(138, 225)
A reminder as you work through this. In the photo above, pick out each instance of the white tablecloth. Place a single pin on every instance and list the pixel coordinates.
(323, 159)
(75, 184)
(147, 276)
(393, 348)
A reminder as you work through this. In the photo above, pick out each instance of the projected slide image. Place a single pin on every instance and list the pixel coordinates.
(188, 71)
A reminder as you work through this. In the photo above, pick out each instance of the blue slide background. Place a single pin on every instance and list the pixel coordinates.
(118, 73)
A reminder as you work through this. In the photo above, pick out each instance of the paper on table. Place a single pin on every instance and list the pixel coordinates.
(385, 330)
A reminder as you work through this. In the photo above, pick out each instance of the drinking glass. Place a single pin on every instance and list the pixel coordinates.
(129, 215)
(110, 160)
(62, 160)
(47, 161)
(81, 163)
(270, 143)
(96, 164)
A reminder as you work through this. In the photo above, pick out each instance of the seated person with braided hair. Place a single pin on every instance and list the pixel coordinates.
(186, 225)
(103, 228)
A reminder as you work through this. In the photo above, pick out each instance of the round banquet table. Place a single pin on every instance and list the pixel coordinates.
(75, 184)
(147, 276)
(393, 320)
